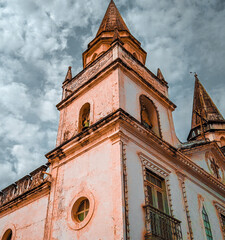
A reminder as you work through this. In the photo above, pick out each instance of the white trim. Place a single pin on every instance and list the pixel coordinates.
(153, 166)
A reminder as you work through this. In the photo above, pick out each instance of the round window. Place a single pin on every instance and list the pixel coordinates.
(7, 235)
(82, 210)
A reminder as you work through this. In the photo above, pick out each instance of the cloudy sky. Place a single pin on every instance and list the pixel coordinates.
(40, 39)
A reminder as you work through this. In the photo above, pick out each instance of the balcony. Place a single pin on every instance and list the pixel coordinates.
(160, 226)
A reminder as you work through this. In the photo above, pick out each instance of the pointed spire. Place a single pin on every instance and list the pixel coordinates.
(160, 75)
(205, 115)
(203, 106)
(112, 20)
(69, 74)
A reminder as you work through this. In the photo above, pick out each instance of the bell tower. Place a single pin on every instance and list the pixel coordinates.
(113, 101)
(207, 122)
(111, 29)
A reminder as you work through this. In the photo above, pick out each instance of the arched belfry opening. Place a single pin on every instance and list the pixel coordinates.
(7, 235)
(84, 117)
(149, 115)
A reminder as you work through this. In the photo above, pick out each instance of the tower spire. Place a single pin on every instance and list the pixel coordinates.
(112, 20)
(204, 110)
(112, 31)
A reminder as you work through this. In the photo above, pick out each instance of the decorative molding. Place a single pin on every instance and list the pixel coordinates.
(143, 72)
(7, 227)
(153, 166)
(213, 166)
(148, 163)
(88, 73)
(22, 186)
(220, 210)
(157, 112)
(73, 223)
(190, 164)
(124, 159)
(118, 135)
(181, 179)
(120, 114)
(168, 188)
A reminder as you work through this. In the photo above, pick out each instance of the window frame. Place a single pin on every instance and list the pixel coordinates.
(155, 189)
(85, 211)
(72, 220)
(152, 115)
(220, 212)
(206, 224)
(5, 229)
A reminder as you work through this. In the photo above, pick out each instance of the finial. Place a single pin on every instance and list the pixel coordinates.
(195, 75)
(160, 75)
(69, 74)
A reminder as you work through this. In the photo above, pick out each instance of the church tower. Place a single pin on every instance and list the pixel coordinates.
(118, 171)
(108, 111)
(207, 122)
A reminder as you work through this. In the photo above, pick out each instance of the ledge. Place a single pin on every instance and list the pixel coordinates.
(179, 158)
(23, 188)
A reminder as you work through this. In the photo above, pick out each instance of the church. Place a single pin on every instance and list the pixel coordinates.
(118, 171)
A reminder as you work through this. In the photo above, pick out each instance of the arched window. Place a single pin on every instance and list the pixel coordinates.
(222, 141)
(206, 224)
(84, 117)
(7, 235)
(149, 115)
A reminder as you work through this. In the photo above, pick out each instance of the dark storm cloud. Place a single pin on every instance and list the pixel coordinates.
(40, 39)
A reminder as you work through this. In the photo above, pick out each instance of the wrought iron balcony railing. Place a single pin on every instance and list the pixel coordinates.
(160, 226)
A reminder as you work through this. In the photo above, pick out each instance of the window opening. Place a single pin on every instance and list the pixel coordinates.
(156, 191)
(82, 210)
(149, 115)
(223, 222)
(84, 119)
(206, 224)
(7, 235)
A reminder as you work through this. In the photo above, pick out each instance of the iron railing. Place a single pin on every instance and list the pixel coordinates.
(160, 226)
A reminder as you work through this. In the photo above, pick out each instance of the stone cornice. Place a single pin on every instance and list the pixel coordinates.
(195, 148)
(24, 188)
(115, 64)
(106, 62)
(200, 171)
(180, 158)
(203, 147)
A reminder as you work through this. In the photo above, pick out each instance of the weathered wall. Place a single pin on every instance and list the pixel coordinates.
(29, 220)
(103, 99)
(196, 197)
(175, 197)
(130, 92)
(136, 188)
(97, 172)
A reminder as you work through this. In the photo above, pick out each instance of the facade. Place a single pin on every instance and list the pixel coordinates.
(118, 170)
